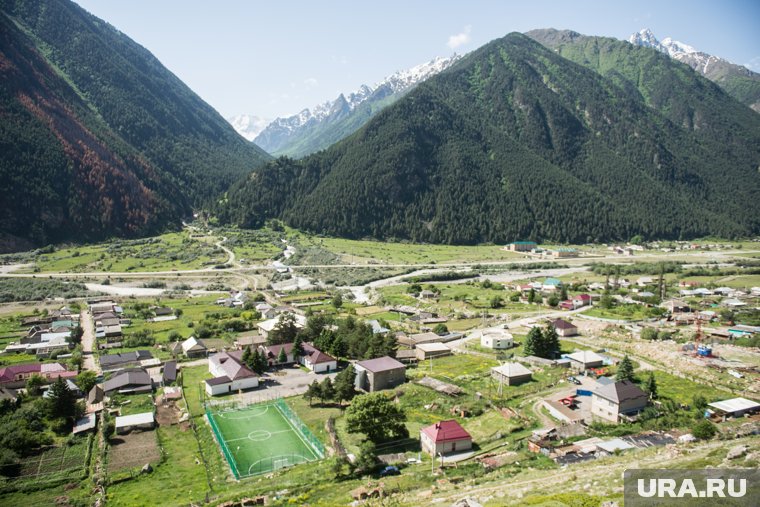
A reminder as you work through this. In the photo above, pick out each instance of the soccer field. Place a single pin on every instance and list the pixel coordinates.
(262, 438)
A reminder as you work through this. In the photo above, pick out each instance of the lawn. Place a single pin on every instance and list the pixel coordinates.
(619, 312)
(133, 403)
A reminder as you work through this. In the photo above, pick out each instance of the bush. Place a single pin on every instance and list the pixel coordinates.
(704, 430)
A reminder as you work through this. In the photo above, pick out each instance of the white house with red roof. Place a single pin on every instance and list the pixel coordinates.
(317, 361)
(230, 374)
(445, 437)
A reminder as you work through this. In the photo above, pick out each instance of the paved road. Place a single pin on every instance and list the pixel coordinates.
(89, 342)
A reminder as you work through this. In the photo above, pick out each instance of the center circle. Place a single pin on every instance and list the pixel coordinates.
(259, 435)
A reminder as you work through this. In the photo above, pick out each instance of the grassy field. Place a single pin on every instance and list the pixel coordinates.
(177, 250)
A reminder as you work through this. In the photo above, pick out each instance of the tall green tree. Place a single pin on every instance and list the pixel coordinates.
(284, 331)
(533, 342)
(625, 369)
(551, 346)
(375, 415)
(86, 380)
(34, 385)
(62, 400)
(345, 389)
(282, 357)
(313, 391)
(327, 390)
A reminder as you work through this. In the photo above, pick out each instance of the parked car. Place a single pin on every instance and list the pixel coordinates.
(390, 470)
(574, 380)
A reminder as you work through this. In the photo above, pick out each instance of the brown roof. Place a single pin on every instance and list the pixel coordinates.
(562, 324)
(379, 364)
(620, 391)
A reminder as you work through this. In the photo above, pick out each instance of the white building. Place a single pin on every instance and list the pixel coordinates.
(497, 339)
(230, 374)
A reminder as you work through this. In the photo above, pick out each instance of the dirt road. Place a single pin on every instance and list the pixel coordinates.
(89, 342)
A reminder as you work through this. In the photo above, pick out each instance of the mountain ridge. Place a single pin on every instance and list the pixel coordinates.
(313, 129)
(472, 155)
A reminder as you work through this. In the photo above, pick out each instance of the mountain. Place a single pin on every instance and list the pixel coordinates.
(247, 125)
(515, 141)
(315, 129)
(98, 138)
(737, 80)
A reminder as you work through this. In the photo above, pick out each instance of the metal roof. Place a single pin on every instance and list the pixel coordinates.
(735, 405)
(135, 420)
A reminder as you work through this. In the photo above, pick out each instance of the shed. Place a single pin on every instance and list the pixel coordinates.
(170, 373)
(736, 407)
(84, 424)
(511, 374)
(127, 423)
(430, 350)
(585, 359)
(497, 339)
(564, 328)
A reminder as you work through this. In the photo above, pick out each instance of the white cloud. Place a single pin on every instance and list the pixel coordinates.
(311, 82)
(460, 39)
(753, 64)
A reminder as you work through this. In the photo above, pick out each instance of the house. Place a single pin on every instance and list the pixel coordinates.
(733, 303)
(162, 311)
(564, 328)
(230, 374)
(272, 353)
(235, 300)
(169, 375)
(497, 339)
(266, 326)
(96, 395)
(379, 373)
(428, 294)
(130, 381)
(193, 347)
(113, 362)
(521, 246)
(643, 281)
(735, 407)
(431, 350)
(104, 307)
(445, 437)
(564, 253)
(585, 359)
(16, 375)
(511, 374)
(73, 389)
(317, 361)
(611, 401)
(249, 340)
(567, 305)
(580, 300)
(551, 284)
(266, 310)
(127, 423)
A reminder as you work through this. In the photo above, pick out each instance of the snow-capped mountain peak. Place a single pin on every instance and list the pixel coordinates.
(677, 50)
(248, 126)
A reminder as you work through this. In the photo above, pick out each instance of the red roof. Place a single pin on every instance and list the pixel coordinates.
(446, 431)
(583, 297)
(562, 324)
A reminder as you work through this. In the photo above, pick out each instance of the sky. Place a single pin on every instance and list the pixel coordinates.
(273, 59)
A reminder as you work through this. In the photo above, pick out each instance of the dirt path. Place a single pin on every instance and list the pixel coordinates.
(88, 342)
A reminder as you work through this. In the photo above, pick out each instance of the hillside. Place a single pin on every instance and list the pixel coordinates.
(515, 141)
(315, 129)
(99, 139)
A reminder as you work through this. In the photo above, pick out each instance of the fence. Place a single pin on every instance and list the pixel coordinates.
(222, 443)
(285, 410)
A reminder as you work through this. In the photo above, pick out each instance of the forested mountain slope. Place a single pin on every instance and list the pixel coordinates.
(517, 142)
(98, 138)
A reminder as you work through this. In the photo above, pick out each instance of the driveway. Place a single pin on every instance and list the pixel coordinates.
(283, 383)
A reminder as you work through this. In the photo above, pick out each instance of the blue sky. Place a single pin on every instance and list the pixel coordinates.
(276, 58)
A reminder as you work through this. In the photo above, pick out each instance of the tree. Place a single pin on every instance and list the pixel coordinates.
(625, 369)
(75, 337)
(440, 329)
(86, 380)
(496, 302)
(651, 386)
(284, 331)
(34, 385)
(313, 391)
(704, 430)
(376, 416)
(563, 292)
(282, 357)
(62, 400)
(298, 351)
(260, 363)
(366, 461)
(550, 342)
(552, 300)
(606, 302)
(247, 357)
(532, 296)
(174, 336)
(337, 301)
(532, 345)
(344, 385)
(327, 390)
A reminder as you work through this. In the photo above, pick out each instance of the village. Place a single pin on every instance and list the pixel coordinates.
(481, 369)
